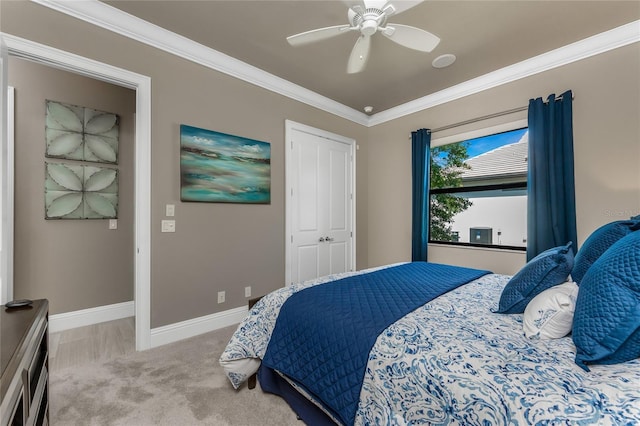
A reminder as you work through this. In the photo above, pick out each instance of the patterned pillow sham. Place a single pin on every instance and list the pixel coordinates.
(598, 242)
(549, 268)
(549, 315)
(606, 322)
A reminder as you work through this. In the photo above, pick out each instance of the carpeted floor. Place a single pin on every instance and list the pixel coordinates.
(176, 384)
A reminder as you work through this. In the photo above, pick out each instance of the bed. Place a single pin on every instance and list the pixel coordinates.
(454, 359)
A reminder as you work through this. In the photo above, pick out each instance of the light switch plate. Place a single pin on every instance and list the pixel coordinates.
(168, 226)
(170, 210)
(113, 223)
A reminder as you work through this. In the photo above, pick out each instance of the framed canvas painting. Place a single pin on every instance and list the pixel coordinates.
(220, 168)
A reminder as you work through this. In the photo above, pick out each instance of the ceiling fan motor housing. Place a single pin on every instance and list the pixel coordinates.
(369, 27)
(368, 21)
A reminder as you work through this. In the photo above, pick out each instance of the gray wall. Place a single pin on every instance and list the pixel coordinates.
(76, 264)
(216, 246)
(606, 125)
(226, 247)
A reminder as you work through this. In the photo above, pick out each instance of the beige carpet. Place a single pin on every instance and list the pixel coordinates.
(176, 384)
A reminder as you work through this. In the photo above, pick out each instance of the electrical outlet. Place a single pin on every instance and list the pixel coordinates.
(247, 292)
(168, 226)
(221, 297)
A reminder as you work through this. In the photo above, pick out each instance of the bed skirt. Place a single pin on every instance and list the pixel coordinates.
(307, 411)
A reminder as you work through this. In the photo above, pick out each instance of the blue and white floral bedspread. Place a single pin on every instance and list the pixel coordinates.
(452, 361)
(241, 358)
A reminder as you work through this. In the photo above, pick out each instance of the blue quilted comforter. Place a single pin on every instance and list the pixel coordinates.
(324, 334)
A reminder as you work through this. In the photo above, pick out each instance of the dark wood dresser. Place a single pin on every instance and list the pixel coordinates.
(24, 359)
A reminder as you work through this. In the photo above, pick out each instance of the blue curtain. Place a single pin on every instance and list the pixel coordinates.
(551, 209)
(420, 166)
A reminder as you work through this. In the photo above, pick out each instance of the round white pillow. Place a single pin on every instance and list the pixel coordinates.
(549, 315)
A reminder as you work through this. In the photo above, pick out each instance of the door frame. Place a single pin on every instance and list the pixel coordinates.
(290, 127)
(66, 61)
(6, 264)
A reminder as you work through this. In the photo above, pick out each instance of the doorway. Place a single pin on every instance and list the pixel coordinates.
(320, 206)
(56, 58)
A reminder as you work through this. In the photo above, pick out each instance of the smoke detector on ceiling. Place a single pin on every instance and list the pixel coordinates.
(443, 60)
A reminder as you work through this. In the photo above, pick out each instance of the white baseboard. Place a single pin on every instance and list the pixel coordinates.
(160, 335)
(69, 320)
(193, 327)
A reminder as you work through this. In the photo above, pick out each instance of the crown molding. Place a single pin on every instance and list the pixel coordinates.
(122, 23)
(115, 20)
(594, 45)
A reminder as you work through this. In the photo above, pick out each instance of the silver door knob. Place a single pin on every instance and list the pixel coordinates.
(321, 239)
(328, 239)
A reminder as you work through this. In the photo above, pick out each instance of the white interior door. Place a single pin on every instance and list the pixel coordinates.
(320, 212)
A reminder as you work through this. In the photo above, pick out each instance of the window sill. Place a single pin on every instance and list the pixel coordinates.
(470, 247)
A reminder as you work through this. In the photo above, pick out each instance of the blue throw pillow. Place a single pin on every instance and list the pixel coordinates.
(549, 268)
(606, 322)
(598, 242)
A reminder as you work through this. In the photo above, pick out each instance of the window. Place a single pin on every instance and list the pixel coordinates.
(478, 191)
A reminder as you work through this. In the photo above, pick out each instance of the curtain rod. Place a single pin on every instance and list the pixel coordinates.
(486, 117)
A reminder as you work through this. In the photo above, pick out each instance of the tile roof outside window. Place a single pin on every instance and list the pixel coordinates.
(508, 161)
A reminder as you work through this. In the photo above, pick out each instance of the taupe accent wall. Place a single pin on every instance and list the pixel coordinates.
(606, 128)
(76, 264)
(215, 247)
(227, 247)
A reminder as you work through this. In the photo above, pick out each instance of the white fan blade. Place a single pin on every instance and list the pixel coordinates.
(375, 4)
(317, 35)
(411, 37)
(399, 6)
(353, 3)
(361, 5)
(359, 55)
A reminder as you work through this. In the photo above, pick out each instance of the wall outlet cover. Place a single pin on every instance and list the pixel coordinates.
(168, 226)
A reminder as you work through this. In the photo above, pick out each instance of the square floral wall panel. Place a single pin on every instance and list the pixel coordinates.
(79, 133)
(75, 191)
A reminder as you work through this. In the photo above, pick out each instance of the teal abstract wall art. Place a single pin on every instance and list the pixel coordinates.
(75, 191)
(78, 133)
(220, 168)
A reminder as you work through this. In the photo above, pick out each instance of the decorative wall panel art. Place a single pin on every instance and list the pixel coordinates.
(79, 133)
(220, 168)
(76, 191)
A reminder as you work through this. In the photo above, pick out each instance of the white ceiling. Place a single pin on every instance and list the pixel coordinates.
(492, 40)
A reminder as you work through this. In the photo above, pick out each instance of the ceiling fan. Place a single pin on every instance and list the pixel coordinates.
(369, 17)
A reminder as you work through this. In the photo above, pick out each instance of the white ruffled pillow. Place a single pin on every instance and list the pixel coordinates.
(549, 315)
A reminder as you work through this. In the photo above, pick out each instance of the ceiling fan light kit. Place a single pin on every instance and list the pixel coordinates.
(369, 18)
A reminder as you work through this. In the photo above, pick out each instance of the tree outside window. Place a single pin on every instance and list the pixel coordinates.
(447, 166)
